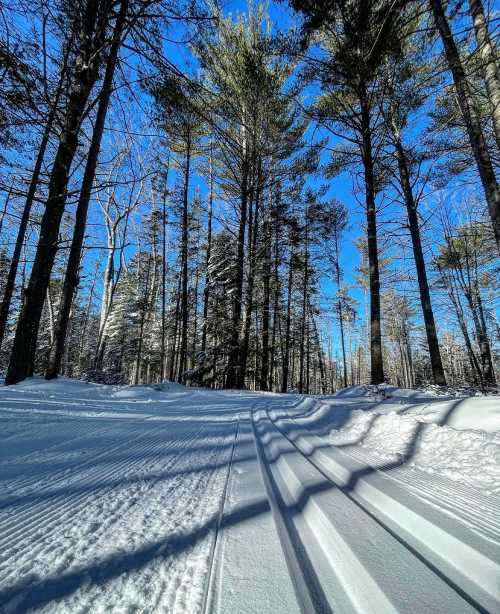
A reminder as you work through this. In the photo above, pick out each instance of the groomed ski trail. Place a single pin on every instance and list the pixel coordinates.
(227, 502)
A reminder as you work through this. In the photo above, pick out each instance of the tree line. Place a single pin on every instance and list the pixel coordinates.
(172, 214)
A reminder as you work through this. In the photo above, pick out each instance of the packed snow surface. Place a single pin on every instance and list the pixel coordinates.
(168, 499)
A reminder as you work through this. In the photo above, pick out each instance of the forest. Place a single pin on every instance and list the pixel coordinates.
(283, 196)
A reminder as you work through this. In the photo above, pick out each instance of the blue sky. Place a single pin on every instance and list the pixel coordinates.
(340, 187)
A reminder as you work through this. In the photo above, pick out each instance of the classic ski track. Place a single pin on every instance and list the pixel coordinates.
(477, 511)
(62, 506)
(372, 514)
(293, 550)
(208, 589)
(213, 536)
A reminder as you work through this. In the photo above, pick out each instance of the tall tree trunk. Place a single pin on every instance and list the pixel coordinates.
(87, 318)
(195, 314)
(273, 381)
(25, 216)
(475, 306)
(107, 292)
(423, 285)
(453, 294)
(144, 312)
(21, 363)
(71, 278)
(489, 62)
(206, 290)
(111, 279)
(253, 225)
(234, 350)
(264, 369)
(317, 341)
(339, 307)
(286, 355)
(377, 366)
(470, 288)
(50, 308)
(305, 292)
(163, 356)
(308, 356)
(474, 130)
(184, 262)
(488, 370)
(173, 373)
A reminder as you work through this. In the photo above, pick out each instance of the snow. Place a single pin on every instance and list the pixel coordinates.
(171, 499)
(456, 439)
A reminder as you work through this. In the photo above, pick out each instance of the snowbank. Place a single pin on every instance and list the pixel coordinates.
(69, 387)
(458, 439)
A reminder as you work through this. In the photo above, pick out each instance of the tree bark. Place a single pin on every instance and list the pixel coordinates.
(71, 278)
(172, 371)
(273, 380)
(474, 130)
(87, 67)
(144, 311)
(87, 318)
(286, 356)
(489, 61)
(305, 284)
(339, 306)
(264, 368)
(30, 197)
(163, 356)
(253, 225)
(377, 366)
(184, 263)
(423, 285)
(206, 290)
(234, 350)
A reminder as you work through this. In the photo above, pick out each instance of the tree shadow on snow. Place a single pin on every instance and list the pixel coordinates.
(35, 593)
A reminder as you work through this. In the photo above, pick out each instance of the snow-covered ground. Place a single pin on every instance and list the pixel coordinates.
(166, 499)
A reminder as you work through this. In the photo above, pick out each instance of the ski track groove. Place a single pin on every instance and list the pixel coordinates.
(413, 550)
(179, 595)
(150, 452)
(479, 512)
(299, 566)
